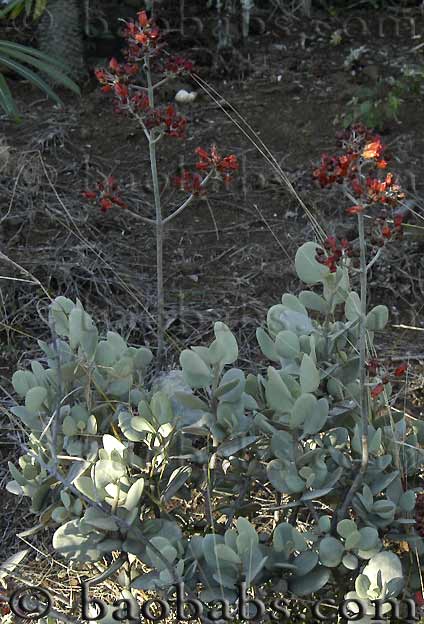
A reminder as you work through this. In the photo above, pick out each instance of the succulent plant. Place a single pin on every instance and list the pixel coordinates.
(108, 454)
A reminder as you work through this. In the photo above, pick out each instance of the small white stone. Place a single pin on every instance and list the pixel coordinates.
(185, 97)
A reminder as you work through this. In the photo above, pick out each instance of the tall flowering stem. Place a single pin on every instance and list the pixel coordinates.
(361, 171)
(159, 219)
(363, 374)
(133, 84)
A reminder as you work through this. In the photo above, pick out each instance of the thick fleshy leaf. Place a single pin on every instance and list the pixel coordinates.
(307, 267)
(309, 375)
(331, 551)
(224, 349)
(233, 446)
(377, 318)
(303, 409)
(267, 345)
(310, 583)
(196, 373)
(35, 398)
(277, 393)
(176, 481)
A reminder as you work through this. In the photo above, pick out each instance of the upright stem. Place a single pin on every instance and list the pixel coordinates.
(159, 223)
(363, 338)
(362, 372)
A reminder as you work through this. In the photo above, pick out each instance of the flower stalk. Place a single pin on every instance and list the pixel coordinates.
(364, 410)
(144, 61)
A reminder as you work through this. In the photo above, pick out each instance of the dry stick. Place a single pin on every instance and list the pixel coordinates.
(32, 280)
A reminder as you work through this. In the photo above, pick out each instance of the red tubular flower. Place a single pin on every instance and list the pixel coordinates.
(229, 163)
(141, 38)
(401, 370)
(106, 194)
(353, 210)
(213, 160)
(114, 65)
(205, 161)
(143, 19)
(190, 183)
(398, 221)
(177, 65)
(121, 91)
(105, 204)
(373, 366)
(335, 253)
(386, 231)
(89, 195)
(377, 390)
(374, 149)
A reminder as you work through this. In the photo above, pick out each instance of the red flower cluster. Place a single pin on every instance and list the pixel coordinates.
(177, 65)
(384, 192)
(106, 194)
(363, 150)
(335, 168)
(190, 183)
(174, 124)
(375, 149)
(373, 369)
(143, 37)
(115, 77)
(335, 252)
(213, 161)
(118, 78)
(385, 231)
(139, 102)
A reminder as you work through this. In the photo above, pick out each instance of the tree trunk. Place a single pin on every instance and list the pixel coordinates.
(60, 35)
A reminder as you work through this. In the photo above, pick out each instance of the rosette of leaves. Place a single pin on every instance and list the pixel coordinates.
(167, 537)
(293, 563)
(79, 429)
(224, 402)
(381, 579)
(69, 408)
(225, 561)
(111, 490)
(31, 480)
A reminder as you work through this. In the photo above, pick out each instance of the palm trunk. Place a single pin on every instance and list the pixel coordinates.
(60, 35)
